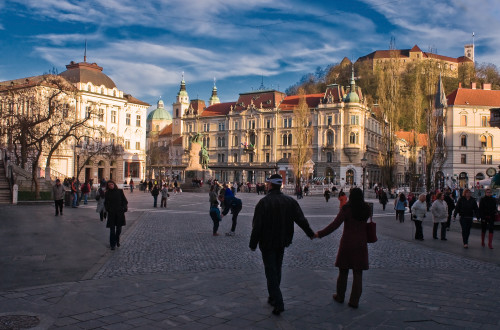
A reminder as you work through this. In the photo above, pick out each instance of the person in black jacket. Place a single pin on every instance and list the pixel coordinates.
(487, 212)
(451, 206)
(116, 205)
(272, 230)
(467, 208)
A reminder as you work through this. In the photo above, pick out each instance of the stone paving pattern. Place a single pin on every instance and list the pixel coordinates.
(170, 272)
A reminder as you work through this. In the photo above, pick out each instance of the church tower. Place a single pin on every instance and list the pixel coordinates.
(179, 108)
(214, 99)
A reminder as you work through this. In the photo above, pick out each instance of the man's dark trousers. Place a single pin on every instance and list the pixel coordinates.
(273, 259)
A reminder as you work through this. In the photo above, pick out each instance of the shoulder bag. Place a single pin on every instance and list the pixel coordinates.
(371, 231)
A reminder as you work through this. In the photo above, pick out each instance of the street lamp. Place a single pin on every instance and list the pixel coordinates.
(364, 162)
(276, 167)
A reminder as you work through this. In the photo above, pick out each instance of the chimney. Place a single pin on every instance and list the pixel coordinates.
(459, 85)
(473, 86)
(487, 87)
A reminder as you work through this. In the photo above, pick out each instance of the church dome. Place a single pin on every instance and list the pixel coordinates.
(87, 72)
(352, 97)
(160, 113)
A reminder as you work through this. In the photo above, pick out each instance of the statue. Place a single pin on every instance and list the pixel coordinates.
(194, 153)
(204, 158)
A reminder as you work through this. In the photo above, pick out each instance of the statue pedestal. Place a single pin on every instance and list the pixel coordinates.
(199, 174)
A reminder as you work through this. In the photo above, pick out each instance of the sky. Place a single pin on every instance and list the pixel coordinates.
(147, 46)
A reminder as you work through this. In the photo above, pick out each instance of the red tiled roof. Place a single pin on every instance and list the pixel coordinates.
(410, 136)
(415, 49)
(132, 99)
(198, 106)
(166, 131)
(478, 97)
(219, 109)
(178, 141)
(291, 102)
(268, 99)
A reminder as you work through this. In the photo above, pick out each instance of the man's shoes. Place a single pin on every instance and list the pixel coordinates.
(277, 311)
(270, 301)
(230, 233)
(61, 213)
(216, 234)
(118, 244)
(435, 237)
(112, 248)
(57, 214)
(444, 239)
(352, 305)
(466, 246)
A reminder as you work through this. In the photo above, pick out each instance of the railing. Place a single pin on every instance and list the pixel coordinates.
(51, 174)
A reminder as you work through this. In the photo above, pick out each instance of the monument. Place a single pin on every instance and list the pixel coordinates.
(198, 160)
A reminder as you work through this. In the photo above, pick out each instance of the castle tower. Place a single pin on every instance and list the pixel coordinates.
(469, 51)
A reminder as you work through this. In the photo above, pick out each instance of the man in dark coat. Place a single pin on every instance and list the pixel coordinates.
(116, 205)
(272, 230)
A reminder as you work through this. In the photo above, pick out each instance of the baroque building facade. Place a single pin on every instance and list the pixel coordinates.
(113, 144)
(251, 138)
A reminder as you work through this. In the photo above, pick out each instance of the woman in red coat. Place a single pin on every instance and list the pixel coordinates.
(353, 249)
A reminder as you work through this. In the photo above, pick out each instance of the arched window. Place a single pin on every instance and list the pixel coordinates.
(329, 157)
(235, 158)
(268, 140)
(489, 141)
(353, 138)
(223, 141)
(483, 141)
(177, 112)
(236, 141)
(463, 140)
(329, 138)
(285, 140)
(349, 177)
(289, 139)
(463, 120)
(252, 139)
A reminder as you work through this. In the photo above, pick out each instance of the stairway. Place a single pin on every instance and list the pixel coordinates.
(5, 193)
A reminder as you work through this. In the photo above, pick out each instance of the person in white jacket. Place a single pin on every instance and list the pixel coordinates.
(439, 210)
(418, 211)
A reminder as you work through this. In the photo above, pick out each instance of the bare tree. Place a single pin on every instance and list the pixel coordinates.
(302, 150)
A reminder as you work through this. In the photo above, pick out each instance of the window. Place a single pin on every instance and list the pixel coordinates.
(463, 159)
(190, 128)
(252, 139)
(329, 138)
(113, 116)
(221, 141)
(236, 124)
(329, 120)
(176, 112)
(284, 155)
(268, 140)
(127, 119)
(222, 126)
(206, 141)
(463, 120)
(65, 111)
(222, 158)
(235, 158)
(489, 141)
(285, 140)
(463, 140)
(353, 138)
(354, 120)
(483, 141)
(268, 123)
(289, 139)
(88, 112)
(250, 158)
(329, 157)
(483, 159)
(206, 127)
(489, 159)
(127, 144)
(138, 121)
(100, 114)
(137, 146)
(485, 121)
(268, 157)
(251, 124)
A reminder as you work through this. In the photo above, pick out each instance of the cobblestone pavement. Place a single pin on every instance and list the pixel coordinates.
(171, 272)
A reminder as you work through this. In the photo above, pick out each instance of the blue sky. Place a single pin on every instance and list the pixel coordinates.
(144, 46)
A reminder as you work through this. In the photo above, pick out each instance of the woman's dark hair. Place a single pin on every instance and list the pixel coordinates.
(341, 193)
(359, 209)
(402, 197)
(107, 183)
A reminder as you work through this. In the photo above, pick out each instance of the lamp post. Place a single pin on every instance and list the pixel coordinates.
(364, 162)
(276, 167)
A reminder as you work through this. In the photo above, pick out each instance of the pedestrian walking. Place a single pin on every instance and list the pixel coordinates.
(235, 205)
(132, 186)
(487, 212)
(164, 196)
(116, 205)
(100, 197)
(467, 208)
(451, 206)
(342, 199)
(74, 192)
(272, 230)
(418, 213)
(439, 210)
(214, 210)
(383, 199)
(85, 189)
(353, 248)
(327, 194)
(400, 205)
(58, 193)
(155, 192)
(150, 185)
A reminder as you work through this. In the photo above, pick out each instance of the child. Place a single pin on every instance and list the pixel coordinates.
(215, 215)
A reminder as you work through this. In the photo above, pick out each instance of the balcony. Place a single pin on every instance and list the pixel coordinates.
(351, 152)
(328, 147)
(495, 117)
(249, 149)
